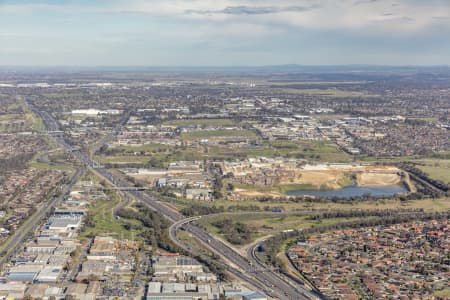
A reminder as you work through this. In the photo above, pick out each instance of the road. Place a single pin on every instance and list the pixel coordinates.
(251, 252)
(253, 272)
(261, 277)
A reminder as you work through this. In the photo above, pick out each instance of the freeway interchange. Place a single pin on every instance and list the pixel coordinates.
(256, 275)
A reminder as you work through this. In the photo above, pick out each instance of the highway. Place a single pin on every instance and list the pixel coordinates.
(254, 272)
(251, 253)
(261, 277)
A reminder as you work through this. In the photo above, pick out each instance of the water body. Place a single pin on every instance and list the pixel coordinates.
(352, 191)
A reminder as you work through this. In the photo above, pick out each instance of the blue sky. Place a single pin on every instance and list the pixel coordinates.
(224, 32)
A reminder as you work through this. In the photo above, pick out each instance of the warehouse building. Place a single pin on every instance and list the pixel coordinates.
(24, 273)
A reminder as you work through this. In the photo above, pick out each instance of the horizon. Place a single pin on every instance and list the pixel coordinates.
(275, 66)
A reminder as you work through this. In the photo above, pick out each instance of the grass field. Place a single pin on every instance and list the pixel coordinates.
(205, 134)
(49, 166)
(34, 123)
(20, 118)
(106, 224)
(101, 216)
(282, 188)
(144, 148)
(437, 165)
(310, 150)
(200, 122)
(444, 294)
(163, 159)
(442, 204)
(56, 162)
(121, 159)
(263, 225)
(438, 169)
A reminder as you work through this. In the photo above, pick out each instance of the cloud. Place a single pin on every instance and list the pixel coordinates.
(360, 2)
(369, 16)
(224, 32)
(400, 16)
(253, 10)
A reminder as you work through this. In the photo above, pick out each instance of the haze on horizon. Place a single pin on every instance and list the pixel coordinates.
(224, 32)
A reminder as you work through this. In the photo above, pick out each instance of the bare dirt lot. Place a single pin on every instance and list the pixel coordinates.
(330, 179)
(377, 179)
(335, 177)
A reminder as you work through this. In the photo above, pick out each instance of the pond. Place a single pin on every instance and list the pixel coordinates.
(352, 191)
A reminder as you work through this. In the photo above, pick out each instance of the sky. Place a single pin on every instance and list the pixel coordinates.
(224, 32)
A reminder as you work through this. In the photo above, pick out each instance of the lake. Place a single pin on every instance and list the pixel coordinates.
(352, 191)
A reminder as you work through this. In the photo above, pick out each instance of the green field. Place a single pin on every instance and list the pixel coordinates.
(444, 294)
(200, 122)
(438, 169)
(56, 161)
(442, 204)
(310, 150)
(149, 148)
(33, 122)
(264, 224)
(281, 188)
(24, 121)
(436, 165)
(284, 188)
(50, 166)
(106, 224)
(205, 134)
(121, 159)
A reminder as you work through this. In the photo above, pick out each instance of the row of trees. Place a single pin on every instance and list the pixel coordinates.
(345, 200)
(424, 176)
(358, 213)
(201, 210)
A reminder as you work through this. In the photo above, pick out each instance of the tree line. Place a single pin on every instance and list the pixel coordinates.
(411, 168)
